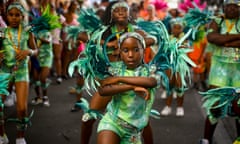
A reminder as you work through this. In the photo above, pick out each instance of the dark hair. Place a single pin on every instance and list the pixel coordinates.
(108, 14)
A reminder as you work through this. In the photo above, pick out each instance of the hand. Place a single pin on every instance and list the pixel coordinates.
(142, 92)
(22, 54)
(109, 81)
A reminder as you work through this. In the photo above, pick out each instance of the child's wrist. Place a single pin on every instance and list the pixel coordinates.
(31, 52)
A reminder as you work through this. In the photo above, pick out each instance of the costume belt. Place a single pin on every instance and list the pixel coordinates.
(127, 126)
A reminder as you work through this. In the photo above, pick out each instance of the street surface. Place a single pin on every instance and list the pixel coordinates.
(57, 125)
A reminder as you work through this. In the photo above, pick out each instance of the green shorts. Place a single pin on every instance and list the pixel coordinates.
(45, 56)
(126, 132)
(19, 74)
(224, 74)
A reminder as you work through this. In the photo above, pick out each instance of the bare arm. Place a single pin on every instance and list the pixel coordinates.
(220, 39)
(235, 43)
(110, 90)
(146, 82)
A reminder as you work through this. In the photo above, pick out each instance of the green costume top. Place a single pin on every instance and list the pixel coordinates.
(128, 106)
(11, 43)
(226, 54)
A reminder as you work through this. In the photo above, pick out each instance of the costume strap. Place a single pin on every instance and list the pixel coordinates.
(88, 113)
(22, 123)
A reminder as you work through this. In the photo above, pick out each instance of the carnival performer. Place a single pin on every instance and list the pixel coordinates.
(42, 26)
(177, 26)
(56, 39)
(69, 51)
(131, 89)
(117, 21)
(224, 71)
(18, 45)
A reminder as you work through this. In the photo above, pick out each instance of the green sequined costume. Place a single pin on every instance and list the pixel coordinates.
(18, 69)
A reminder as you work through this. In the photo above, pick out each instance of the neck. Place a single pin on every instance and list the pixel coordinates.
(121, 26)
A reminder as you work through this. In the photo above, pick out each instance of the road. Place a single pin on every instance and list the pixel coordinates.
(57, 125)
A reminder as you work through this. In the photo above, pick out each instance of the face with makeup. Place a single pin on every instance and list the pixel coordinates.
(131, 52)
(14, 17)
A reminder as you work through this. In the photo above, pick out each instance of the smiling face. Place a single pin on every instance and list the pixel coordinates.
(131, 52)
(14, 17)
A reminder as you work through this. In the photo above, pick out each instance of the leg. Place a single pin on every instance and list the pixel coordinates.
(86, 131)
(147, 134)
(44, 85)
(97, 103)
(57, 51)
(78, 91)
(209, 130)
(107, 137)
(66, 59)
(22, 89)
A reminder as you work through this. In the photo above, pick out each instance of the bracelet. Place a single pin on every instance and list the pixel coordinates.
(31, 52)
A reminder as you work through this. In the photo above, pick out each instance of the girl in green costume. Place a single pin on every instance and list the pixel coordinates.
(42, 27)
(225, 63)
(116, 23)
(132, 89)
(18, 45)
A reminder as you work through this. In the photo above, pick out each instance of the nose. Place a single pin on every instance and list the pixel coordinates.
(130, 54)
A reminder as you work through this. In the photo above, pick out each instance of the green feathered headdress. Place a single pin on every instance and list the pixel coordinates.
(46, 22)
(89, 22)
(196, 18)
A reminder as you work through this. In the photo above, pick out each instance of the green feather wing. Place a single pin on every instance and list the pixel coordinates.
(220, 98)
(4, 79)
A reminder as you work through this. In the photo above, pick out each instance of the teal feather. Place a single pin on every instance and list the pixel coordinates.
(220, 98)
(46, 21)
(4, 79)
(89, 20)
(196, 18)
(84, 105)
(155, 114)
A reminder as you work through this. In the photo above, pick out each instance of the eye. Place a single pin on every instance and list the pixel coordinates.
(124, 50)
(17, 15)
(136, 49)
(116, 10)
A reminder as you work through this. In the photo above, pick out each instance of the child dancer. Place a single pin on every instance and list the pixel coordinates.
(132, 89)
(175, 82)
(42, 27)
(16, 55)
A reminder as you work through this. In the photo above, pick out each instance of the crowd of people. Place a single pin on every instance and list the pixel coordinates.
(37, 49)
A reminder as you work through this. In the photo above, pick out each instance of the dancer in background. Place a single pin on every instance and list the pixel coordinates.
(225, 61)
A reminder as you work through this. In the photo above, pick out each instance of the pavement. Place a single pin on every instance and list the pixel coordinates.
(57, 125)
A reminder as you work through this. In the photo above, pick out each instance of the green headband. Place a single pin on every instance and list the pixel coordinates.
(119, 4)
(175, 21)
(132, 35)
(16, 5)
